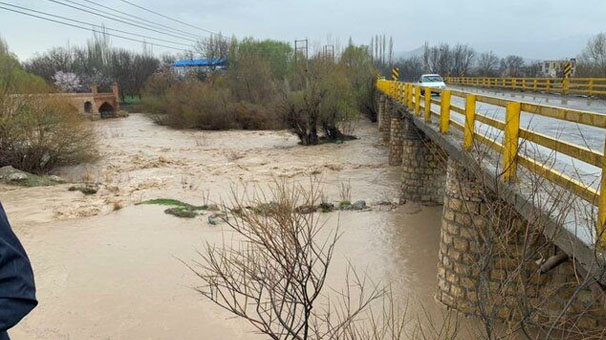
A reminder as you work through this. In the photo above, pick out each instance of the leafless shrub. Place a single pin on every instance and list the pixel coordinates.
(275, 277)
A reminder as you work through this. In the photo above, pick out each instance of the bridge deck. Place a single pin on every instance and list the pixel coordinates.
(571, 101)
(587, 136)
(571, 219)
(568, 220)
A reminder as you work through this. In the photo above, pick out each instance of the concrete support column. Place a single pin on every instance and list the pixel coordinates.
(481, 266)
(395, 141)
(381, 111)
(458, 267)
(386, 120)
(489, 263)
(423, 167)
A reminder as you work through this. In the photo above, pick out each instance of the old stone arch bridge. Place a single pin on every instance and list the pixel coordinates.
(94, 104)
(522, 235)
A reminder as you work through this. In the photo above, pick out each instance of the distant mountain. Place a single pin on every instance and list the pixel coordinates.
(562, 48)
(417, 52)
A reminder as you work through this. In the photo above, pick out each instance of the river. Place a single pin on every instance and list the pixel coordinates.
(109, 269)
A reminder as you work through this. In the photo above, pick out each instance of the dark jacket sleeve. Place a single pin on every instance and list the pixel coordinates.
(17, 290)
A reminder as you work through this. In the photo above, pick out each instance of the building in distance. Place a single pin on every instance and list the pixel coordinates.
(185, 66)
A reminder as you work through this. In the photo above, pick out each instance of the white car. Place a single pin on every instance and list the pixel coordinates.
(433, 81)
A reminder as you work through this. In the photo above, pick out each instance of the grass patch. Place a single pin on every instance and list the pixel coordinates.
(179, 208)
(182, 212)
(129, 100)
(173, 203)
(344, 204)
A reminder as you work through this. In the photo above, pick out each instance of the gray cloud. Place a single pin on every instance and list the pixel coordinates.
(533, 28)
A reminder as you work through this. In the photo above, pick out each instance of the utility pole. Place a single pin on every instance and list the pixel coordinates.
(329, 51)
(302, 45)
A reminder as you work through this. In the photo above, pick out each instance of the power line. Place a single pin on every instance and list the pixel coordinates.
(88, 29)
(119, 20)
(87, 23)
(169, 18)
(114, 17)
(142, 19)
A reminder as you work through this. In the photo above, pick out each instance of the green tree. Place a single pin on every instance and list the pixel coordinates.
(14, 78)
(360, 70)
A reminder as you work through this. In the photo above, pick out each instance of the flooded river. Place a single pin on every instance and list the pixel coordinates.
(109, 269)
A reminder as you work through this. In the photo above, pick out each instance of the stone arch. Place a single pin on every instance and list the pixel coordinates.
(107, 110)
(88, 107)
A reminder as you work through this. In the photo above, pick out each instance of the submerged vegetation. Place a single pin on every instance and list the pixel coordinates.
(179, 208)
(267, 86)
(174, 203)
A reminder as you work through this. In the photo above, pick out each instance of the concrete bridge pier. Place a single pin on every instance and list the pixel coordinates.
(490, 263)
(385, 119)
(395, 139)
(495, 260)
(381, 103)
(423, 166)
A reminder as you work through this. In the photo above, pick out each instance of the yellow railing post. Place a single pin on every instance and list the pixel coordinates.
(409, 97)
(417, 100)
(470, 121)
(601, 223)
(590, 90)
(445, 112)
(428, 104)
(535, 84)
(565, 85)
(548, 86)
(512, 135)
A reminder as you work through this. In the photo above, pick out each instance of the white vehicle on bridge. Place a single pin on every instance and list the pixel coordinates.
(433, 81)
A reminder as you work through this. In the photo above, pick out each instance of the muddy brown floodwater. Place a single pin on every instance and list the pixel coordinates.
(109, 269)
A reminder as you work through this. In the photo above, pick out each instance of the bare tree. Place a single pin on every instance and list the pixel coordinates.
(411, 69)
(488, 65)
(214, 47)
(390, 51)
(533, 70)
(438, 59)
(512, 66)
(592, 61)
(383, 45)
(275, 277)
(462, 58)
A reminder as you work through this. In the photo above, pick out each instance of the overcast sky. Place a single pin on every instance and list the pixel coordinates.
(533, 28)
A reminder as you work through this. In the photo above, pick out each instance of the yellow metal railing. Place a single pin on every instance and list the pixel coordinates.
(409, 95)
(582, 86)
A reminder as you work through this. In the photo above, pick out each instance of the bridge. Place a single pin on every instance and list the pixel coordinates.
(565, 86)
(523, 186)
(94, 104)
